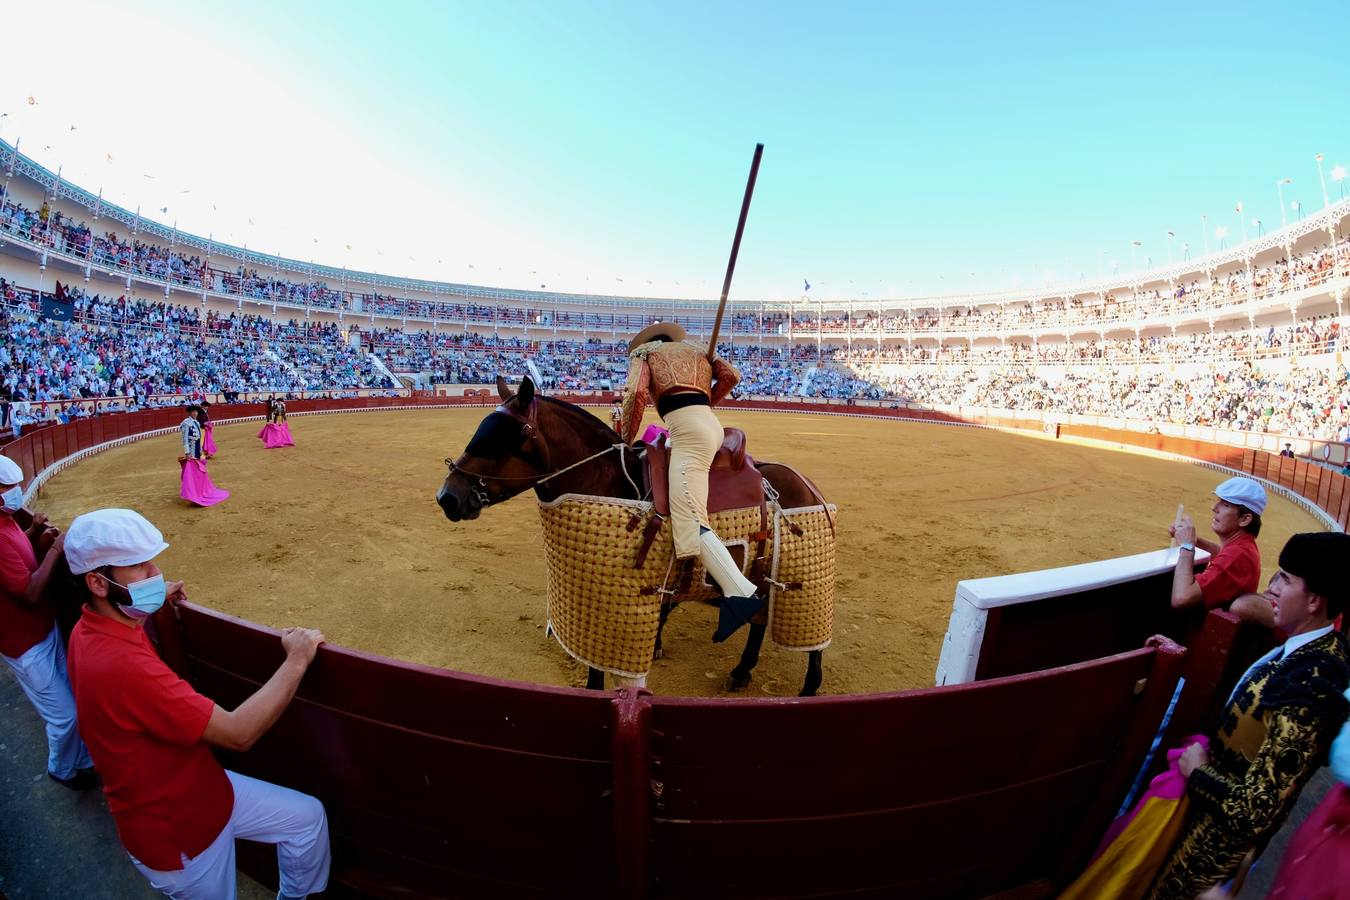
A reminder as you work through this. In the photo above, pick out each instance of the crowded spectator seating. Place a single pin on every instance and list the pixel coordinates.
(144, 352)
(227, 272)
(1251, 379)
(1237, 342)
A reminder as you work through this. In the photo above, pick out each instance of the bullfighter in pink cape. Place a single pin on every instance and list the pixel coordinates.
(276, 433)
(196, 483)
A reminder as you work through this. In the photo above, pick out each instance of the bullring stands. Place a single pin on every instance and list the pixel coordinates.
(1245, 339)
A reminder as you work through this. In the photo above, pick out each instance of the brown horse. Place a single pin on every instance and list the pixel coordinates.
(532, 441)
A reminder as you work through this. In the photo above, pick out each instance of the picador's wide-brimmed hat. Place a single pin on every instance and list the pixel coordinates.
(672, 330)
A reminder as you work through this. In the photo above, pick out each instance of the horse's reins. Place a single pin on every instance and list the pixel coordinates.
(531, 432)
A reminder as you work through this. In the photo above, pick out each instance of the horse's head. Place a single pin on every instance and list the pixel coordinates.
(505, 456)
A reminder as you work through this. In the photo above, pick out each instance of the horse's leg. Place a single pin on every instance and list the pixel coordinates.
(814, 674)
(661, 626)
(740, 676)
(595, 680)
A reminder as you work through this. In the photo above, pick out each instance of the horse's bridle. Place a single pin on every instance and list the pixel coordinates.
(530, 432)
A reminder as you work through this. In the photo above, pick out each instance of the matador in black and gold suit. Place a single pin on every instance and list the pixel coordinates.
(1274, 735)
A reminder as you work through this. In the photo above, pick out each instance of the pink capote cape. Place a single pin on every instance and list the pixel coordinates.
(276, 435)
(197, 487)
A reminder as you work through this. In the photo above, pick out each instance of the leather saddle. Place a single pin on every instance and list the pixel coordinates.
(733, 482)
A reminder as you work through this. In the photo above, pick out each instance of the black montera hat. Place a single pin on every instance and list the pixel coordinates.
(1318, 557)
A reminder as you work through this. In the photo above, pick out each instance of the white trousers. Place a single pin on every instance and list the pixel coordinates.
(695, 436)
(264, 812)
(41, 672)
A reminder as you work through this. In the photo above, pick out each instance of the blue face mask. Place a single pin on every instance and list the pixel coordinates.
(146, 596)
(12, 499)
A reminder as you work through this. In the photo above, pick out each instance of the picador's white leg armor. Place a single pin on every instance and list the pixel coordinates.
(719, 564)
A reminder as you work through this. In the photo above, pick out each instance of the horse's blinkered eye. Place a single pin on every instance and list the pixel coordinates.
(497, 435)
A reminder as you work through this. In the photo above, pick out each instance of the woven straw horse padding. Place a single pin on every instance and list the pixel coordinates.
(802, 618)
(605, 613)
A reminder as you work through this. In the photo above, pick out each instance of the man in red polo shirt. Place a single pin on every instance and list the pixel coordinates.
(29, 641)
(177, 811)
(1233, 575)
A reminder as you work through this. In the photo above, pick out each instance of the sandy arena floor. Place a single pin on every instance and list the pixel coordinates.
(342, 533)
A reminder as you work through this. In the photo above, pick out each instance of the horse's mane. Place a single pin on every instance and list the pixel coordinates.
(585, 415)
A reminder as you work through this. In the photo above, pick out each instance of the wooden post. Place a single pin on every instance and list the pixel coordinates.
(631, 749)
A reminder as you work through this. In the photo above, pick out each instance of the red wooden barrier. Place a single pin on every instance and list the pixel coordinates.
(43, 455)
(1057, 631)
(955, 791)
(1300, 482)
(447, 784)
(59, 447)
(434, 782)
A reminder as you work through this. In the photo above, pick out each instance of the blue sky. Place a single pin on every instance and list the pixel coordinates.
(909, 149)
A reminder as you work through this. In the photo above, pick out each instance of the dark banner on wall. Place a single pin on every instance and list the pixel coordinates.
(55, 309)
(59, 308)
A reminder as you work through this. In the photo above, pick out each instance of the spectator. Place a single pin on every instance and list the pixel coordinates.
(1288, 451)
(1280, 721)
(177, 811)
(1234, 567)
(29, 641)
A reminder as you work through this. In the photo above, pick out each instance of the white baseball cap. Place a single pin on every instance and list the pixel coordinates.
(1241, 491)
(10, 473)
(111, 537)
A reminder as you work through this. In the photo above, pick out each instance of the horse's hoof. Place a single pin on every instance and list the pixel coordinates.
(805, 693)
(737, 684)
(657, 653)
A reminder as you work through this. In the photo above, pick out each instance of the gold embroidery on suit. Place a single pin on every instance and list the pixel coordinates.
(1272, 738)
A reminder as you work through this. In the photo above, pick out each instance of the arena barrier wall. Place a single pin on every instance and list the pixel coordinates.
(1016, 624)
(1314, 486)
(1012, 624)
(446, 784)
(44, 450)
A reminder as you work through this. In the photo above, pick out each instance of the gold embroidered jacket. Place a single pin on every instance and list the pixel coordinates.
(658, 368)
(1274, 735)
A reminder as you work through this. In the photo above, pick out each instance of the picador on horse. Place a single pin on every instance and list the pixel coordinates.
(686, 384)
(618, 515)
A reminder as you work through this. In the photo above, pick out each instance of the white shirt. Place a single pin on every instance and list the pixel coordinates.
(1280, 652)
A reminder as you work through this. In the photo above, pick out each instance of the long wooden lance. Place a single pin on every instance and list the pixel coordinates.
(735, 249)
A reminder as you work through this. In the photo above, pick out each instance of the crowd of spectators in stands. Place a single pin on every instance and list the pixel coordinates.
(1235, 395)
(142, 351)
(137, 349)
(1234, 285)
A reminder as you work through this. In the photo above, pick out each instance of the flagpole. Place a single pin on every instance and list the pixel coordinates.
(735, 249)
